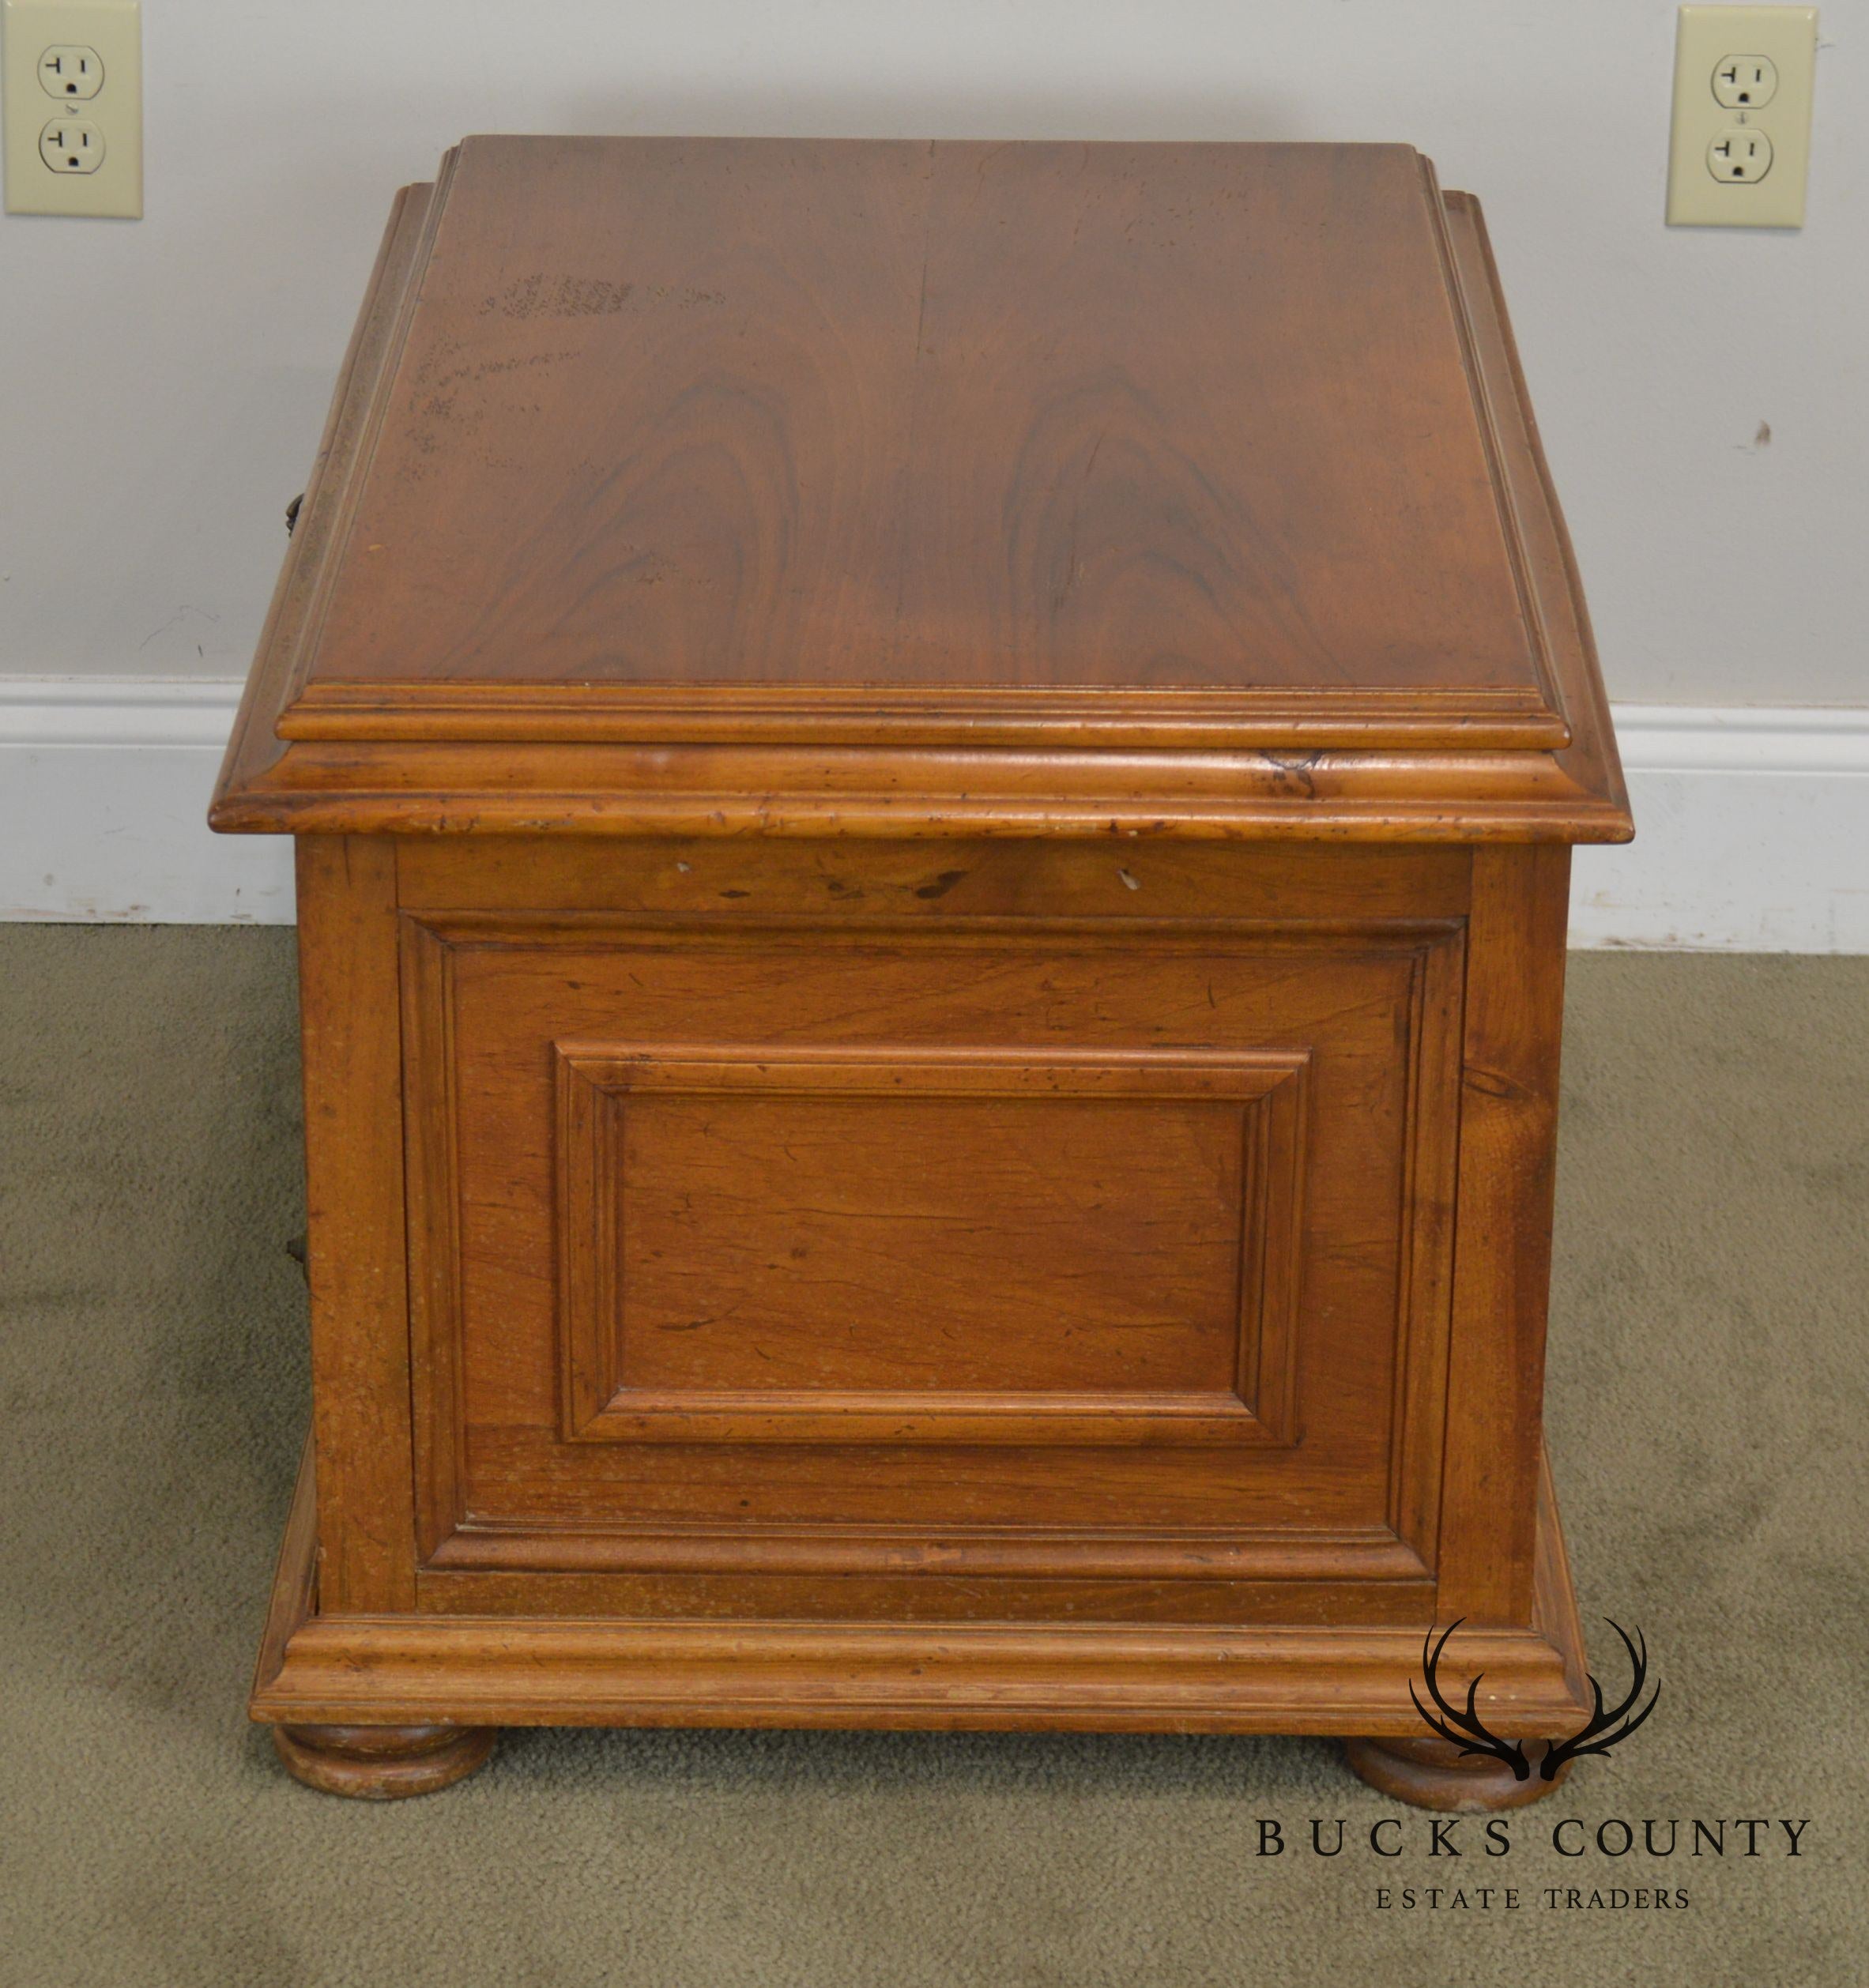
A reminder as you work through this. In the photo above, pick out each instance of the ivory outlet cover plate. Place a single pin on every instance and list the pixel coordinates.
(1742, 91)
(107, 104)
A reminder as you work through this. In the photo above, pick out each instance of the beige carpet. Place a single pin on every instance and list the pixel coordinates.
(1708, 1412)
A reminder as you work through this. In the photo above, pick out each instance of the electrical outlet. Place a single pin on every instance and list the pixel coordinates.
(1742, 120)
(67, 145)
(1745, 82)
(69, 72)
(1740, 154)
(74, 52)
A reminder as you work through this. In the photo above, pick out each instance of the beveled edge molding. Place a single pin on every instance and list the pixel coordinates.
(594, 1081)
(1442, 795)
(1172, 716)
(517, 1670)
(1440, 208)
(1488, 766)
(1543, 538)
(296, 611)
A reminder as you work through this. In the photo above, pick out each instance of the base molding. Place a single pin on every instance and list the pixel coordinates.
(477, 1671)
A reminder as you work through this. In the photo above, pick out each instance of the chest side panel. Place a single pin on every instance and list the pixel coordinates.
(1005, 1246)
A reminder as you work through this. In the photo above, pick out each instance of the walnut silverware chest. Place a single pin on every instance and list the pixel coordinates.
(934, 786)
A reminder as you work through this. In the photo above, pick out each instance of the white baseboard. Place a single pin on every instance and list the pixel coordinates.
(104, 784)
(1752, 833)
(1753, 824)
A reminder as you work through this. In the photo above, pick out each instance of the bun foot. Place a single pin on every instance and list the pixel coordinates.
(1430, 1774)
(382, 1763)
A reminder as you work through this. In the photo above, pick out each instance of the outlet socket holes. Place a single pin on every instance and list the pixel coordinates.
(1744, 82)
(68, 146)
(1739, 156)
(73, 72)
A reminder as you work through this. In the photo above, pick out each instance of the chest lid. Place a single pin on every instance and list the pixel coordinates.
(776, 451)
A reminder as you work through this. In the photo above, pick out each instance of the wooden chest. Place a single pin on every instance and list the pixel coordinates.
(934, 786)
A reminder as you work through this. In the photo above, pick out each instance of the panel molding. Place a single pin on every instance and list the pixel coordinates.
(595, 1082)
(461, 1541)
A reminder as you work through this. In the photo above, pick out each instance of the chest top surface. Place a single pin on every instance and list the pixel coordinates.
(845, 444)
(934, 415)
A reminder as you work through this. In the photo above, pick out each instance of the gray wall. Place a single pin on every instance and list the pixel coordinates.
(164, 380)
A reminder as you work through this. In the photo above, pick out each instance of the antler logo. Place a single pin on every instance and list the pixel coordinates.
(1603, 1730)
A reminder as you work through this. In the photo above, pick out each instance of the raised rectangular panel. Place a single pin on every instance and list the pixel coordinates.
(786, 1245)
(1239, 1132)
